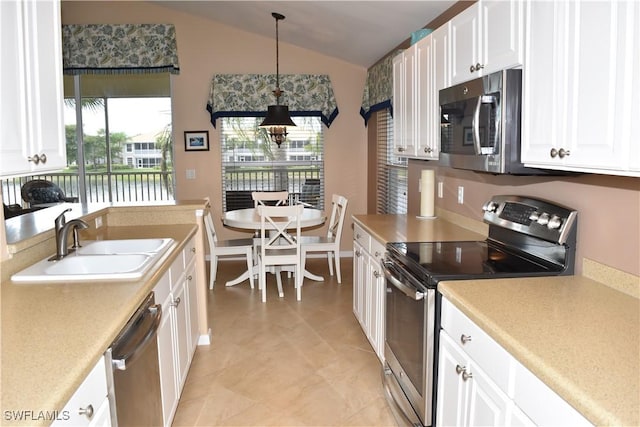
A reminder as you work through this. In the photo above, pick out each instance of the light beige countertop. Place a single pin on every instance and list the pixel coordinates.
(408, 228)
(580, 337)
(52, 335)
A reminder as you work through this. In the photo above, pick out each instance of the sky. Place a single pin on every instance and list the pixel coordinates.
(133, 116)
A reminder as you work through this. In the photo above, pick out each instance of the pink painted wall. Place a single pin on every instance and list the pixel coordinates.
(206, 48)
(608, 207)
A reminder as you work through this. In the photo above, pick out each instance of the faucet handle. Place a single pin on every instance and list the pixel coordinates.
(60, 219)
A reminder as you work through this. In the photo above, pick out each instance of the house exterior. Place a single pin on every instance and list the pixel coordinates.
(142, 151)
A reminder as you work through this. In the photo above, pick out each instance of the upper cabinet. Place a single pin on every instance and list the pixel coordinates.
(32, 138)
(580, 83)
(404, 97)
(486, 37)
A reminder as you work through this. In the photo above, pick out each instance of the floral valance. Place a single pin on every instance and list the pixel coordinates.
(119, 49)
(378, 90)
(244, 95)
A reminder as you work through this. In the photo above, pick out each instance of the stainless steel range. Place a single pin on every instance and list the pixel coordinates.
(527, 237)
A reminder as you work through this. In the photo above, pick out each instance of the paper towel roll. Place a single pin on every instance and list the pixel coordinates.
(427, 191)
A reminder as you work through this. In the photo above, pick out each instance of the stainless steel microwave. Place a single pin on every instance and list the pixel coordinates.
(480, 124)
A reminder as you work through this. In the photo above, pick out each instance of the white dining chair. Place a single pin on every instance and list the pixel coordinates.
(232, 247)
(331, 243)
(279, 246)
(279, 197)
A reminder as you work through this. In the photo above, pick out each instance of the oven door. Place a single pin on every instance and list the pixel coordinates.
(409, 344)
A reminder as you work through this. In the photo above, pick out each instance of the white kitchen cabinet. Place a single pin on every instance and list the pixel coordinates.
(466, 394)
(486, 37)
(581, 74)
(176, 290)
(404, 99)
(480, 383)
(89, 405)
(427, 110)
(32, 138)
(368, 292)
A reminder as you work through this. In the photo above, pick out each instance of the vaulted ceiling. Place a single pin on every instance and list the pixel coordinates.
(359, 32)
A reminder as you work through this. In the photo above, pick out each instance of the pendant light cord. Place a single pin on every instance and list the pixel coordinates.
(277, 92)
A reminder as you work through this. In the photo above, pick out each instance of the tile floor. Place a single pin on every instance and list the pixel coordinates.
(283, 362)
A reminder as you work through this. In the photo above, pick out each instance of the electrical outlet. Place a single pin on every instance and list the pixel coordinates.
(440, 190)
(460, 194)
(191, 174)
(99, 222)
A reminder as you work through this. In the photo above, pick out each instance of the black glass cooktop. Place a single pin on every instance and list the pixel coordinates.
(432, 262)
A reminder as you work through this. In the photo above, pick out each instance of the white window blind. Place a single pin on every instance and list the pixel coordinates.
(392, 170)
(251, 162)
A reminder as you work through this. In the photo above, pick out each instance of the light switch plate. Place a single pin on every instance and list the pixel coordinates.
(191, 174)
(460, 194)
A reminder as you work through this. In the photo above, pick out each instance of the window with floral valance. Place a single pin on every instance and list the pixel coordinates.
(119, 49)
(249, 95)
(378, 90)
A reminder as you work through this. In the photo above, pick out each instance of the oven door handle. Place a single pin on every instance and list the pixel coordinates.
(407, 290)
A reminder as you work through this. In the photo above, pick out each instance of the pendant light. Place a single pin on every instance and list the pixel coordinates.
(278, 117)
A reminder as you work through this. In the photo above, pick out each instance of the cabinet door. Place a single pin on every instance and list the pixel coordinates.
(358, 281)
(166, 360)
(487, 403)
(502, 35)
(31, 119)
(452, 398)
(181, 337)
(578, 100)
(426, 144)
(465, 45)
(192, 287)
(404, 99)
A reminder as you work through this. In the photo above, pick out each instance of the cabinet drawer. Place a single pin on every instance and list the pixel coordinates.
(362, 237)
(162, 290)
(377, 250)
(177, 270)
(189, 252)
(484, 351)
(543, 405)
(92, 392)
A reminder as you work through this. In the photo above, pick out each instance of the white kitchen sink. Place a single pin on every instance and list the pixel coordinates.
(124, 246)
(125, 259)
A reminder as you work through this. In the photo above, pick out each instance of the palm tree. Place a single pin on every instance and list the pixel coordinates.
(163, 140)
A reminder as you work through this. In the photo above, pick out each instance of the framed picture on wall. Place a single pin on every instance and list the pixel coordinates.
(196, 140)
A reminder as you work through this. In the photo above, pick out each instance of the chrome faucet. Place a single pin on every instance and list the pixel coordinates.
(62, 228)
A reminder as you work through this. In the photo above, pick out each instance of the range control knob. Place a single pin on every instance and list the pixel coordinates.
(490, 206)
(555, 222)
(534, 216)
(543, 219)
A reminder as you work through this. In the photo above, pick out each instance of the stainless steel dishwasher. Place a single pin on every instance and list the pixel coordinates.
(135, 388)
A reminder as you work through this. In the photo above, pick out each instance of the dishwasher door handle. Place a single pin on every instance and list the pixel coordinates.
(120, 362)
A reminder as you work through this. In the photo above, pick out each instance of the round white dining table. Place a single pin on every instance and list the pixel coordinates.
(248, 219)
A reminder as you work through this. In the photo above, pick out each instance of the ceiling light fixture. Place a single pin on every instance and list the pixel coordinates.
(278, 117)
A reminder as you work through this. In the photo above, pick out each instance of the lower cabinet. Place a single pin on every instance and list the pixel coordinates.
(89, 405)
(480, 383)
(368, 288)
(178, 331)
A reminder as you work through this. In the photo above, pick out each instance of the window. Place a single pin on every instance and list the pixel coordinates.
(392, 170)
(251, 162)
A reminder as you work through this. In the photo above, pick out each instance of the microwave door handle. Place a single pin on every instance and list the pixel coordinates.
(475, 124)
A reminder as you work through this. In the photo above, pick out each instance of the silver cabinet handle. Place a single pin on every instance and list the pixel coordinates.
(88, 411)
(376, 274)
(465, 338)
(189, 278)
(472, 68)
(428, 149)
(479, 66)
(466, 375)
(460, 369)
(401, 149)
(562, 153)
(553, 153)
(43, 158)
(358, 253)
(358, 236)
(35, 159)
(175, 303)
(193, 250)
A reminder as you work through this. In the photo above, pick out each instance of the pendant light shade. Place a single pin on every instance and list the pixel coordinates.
(278, 117)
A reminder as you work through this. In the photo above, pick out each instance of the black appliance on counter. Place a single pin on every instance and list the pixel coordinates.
(527, 237)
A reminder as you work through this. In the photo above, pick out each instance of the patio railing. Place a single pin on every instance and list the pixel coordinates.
(101, 187)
